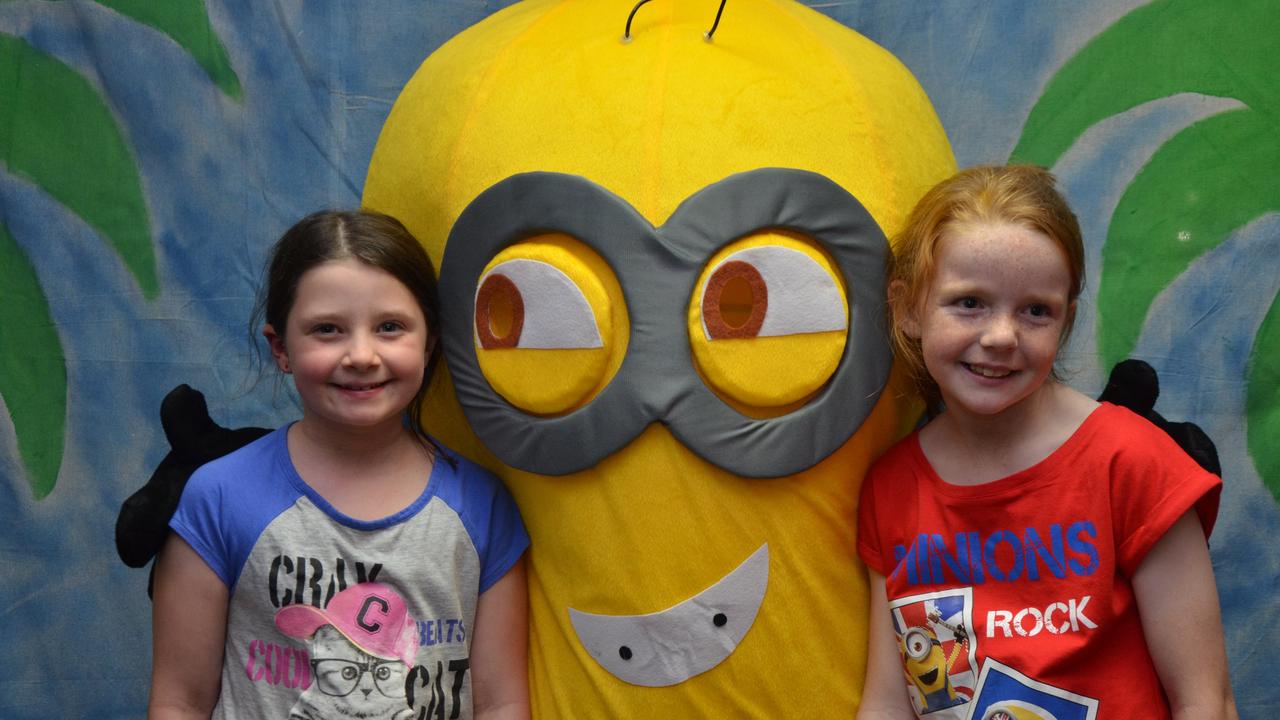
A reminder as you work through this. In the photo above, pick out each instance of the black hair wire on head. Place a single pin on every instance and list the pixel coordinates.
(707, 36)
(626, 33)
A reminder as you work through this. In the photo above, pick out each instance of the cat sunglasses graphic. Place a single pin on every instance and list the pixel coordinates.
(339, 677)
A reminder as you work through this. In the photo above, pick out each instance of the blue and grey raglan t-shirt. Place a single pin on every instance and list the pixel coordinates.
(382, 627)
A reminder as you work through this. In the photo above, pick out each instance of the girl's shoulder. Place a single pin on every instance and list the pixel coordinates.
(464, 484)
(1137, 445)
(260, 455)
(485, 508)
(1119, 427)
(902, 451)
(903, 458)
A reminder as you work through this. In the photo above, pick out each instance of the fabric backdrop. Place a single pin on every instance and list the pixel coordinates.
(150, 152)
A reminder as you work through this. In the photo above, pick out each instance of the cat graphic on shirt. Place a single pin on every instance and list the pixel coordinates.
(378, 693)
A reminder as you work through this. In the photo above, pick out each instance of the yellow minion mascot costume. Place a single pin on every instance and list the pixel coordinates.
(662, 264)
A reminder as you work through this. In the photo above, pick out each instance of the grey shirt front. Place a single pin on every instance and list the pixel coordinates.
(405, 586)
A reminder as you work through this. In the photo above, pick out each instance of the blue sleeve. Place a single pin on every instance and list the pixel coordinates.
(492, 520)
(198, 521)
(228, 503)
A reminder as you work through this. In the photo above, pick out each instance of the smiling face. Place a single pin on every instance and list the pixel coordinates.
(994, 314)
(355, 342)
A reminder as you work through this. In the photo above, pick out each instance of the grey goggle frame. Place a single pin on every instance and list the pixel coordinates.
(658, 269)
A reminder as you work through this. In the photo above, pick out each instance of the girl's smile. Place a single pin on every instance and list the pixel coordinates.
(993, 316)
(986, 372)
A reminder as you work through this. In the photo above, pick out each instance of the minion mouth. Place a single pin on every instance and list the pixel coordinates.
(928, 678)
(987, 372)
(691, 637)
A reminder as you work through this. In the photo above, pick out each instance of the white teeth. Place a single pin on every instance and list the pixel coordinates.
(988, 372)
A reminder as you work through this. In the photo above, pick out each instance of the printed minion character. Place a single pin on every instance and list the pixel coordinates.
(929, 669)
(662, 254)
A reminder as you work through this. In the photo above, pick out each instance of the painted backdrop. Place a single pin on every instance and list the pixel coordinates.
(151, 151)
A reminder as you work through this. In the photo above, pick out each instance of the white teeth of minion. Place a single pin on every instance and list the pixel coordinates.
(988, 372)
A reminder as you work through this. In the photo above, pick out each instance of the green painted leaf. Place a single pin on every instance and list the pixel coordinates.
(1262, 406)
(187, 22)
(1202, 184)
(1210, 179)
(56, 130)
(1211, 47)
(33, 371)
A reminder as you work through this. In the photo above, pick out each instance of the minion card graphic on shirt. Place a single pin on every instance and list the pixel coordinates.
(938, 653)
(1006, 694)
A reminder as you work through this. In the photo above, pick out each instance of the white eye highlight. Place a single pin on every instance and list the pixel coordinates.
(668, 647)
(917, 644)
(768, 291)
(532, 304)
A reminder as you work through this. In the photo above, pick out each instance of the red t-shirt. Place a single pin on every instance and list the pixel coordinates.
(1015, 595)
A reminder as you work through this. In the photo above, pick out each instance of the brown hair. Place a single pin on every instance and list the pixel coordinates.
(376, 240)
(1022, 195)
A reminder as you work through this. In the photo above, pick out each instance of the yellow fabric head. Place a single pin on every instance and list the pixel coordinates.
(549, 86)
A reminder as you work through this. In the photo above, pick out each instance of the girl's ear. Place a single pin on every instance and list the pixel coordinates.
(276, 341)
(905, 313)
(910, 325)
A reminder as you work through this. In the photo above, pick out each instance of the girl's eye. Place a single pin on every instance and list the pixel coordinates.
(969, 303)
(390, 326)
(1038, 311)
(325, 329)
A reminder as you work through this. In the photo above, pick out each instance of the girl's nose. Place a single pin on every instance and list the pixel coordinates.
(1000, 334)
(361, 353)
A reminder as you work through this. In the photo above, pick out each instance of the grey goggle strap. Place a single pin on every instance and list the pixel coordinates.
(658, 269)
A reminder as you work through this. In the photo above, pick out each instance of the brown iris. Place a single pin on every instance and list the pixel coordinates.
(735, 301)
(499, 312)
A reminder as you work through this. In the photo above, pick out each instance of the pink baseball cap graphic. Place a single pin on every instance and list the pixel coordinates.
(371, 615)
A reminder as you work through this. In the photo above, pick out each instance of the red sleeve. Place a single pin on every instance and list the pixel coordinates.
(1154, 482)
(878, 490)
(868, 531)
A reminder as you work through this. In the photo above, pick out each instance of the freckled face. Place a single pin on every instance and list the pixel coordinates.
(994, 314)
(355, 343)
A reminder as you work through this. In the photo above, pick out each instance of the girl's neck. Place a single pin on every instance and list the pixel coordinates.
(367, 474)
(347, 445)
(967, 449)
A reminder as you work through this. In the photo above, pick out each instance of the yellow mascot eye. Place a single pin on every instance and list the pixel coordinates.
(555, 315)
(550, 324)
(768, 322)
